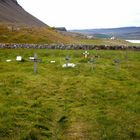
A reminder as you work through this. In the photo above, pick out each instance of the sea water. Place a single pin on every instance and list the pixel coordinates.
(133, 41)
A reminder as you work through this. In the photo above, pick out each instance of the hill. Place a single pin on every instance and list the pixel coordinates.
(18, 26)
(123, 32)
(24, 34)
(12, 12)
(46, 35)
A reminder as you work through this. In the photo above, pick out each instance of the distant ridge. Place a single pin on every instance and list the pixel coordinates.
(122, 32)
(12, 12)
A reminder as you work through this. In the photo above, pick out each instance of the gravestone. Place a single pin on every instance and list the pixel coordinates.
(92, 61)
(86, 53)
(68, 64)
(31, 58)
(19, 58)
(117, 62)
(52, 61)
(8, 60)
(67, 58)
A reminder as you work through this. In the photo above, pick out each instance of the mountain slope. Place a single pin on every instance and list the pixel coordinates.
(124, 32)
(12, 12)
(18, 26)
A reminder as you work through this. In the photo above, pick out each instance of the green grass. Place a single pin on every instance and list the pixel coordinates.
(89, 102)
(101, 41)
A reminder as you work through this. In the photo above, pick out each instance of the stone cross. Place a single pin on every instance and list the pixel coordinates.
(67, 58)
(35, 60)
(86, 53)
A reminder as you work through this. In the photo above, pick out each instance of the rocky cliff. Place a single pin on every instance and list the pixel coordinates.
(12, 12)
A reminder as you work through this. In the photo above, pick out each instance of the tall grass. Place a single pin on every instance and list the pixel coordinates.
(93, 101)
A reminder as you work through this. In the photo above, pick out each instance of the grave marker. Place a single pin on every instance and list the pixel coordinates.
(35, 63)
(19, 58)
(92, 61)
(117, 62)
(35, 60)
(8, 60)
(68, 64)
(67, 58)
(52, 61)
(86, 53)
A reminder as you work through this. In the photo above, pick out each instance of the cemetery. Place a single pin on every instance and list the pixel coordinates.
(69, 94)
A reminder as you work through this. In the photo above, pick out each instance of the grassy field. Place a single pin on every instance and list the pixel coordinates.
(93, 101)
(103, 41)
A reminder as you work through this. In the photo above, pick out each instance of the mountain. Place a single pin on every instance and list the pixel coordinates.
(123, 32)
(18, 26)
(12, 12)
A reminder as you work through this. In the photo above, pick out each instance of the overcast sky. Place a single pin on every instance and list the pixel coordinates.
(84, 14)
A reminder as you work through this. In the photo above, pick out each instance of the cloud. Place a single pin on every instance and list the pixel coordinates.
(85, 13)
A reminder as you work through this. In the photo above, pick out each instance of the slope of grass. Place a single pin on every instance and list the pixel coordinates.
(22, 34)
(98, 101)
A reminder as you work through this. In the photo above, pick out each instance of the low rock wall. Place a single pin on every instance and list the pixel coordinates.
(68, 47)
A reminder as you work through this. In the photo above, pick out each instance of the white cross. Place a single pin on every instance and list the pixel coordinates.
(86, 53)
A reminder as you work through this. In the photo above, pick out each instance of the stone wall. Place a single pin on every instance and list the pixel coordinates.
(68, 47)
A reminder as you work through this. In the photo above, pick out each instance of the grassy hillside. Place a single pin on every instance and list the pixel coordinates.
(22, 34)
(98, 101)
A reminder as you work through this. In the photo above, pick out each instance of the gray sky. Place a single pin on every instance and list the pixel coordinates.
(84, 14)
